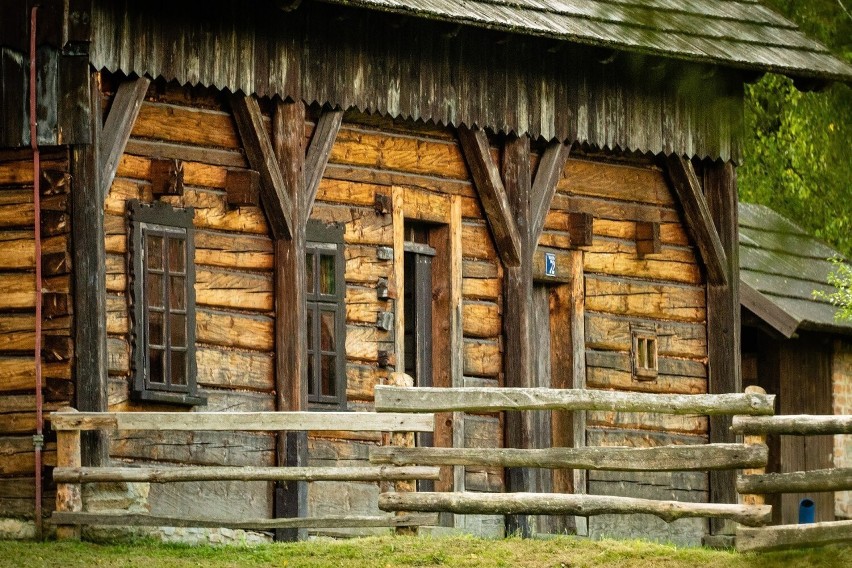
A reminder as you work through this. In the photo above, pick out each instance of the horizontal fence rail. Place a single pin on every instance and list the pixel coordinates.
(489, 399)
(799, 425)
(612, 458)
(243, 421)
(793, 536)
(567, 504)
(241, 473)
(331, 522)
(816, 480)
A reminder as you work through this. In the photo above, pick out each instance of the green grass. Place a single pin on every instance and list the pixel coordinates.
(383, 552)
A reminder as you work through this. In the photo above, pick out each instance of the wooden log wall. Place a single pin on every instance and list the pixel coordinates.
(421, 170)
(234, 298)
(626, 284)
(17, 319)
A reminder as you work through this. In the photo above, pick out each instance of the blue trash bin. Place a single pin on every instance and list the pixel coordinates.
(807, 510)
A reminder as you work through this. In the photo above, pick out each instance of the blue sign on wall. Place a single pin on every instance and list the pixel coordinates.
(549, 264)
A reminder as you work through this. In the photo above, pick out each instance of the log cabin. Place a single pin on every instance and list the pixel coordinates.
(793, 346)
(276, 205)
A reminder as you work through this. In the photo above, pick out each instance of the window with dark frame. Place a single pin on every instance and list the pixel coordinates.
(326, 316)
(162, 287)
(645, 363)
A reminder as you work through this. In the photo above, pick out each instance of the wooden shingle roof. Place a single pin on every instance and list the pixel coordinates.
(780, 267)
(741, 33)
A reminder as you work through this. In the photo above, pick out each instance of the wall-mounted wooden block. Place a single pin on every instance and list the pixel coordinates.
(384, 320)
(55, 223)
(56, 304)
(383, 204)
(580, 229)
(166, 176)
(242, 187)
(647, 238)
(54, 182)
(57, 348)
(56, 263)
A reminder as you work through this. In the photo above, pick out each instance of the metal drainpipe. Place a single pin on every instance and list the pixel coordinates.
(38, 439)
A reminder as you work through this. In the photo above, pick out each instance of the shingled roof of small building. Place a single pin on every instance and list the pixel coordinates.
(780, 267)
(742, 33)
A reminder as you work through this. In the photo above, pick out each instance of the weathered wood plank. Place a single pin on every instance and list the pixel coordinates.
(699, 222)
(119, 123)
(142, 520)
(243, 421)
(476, 399)
(561, 504)
(815, 480)
(674, 339)
(661, 458)
(798, 425)
(184, 124)
(276, 197)
(240, 473)
(793, 536)
(616, 181)
(549, 173)
(486, 176)
(319, 151)
(231, 329)
(646, 299)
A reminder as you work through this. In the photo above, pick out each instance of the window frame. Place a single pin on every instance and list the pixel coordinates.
(323, 239)
(163, 220)
(644, 353)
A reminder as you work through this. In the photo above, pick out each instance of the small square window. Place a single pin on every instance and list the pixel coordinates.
(162, 288)
(644, 354)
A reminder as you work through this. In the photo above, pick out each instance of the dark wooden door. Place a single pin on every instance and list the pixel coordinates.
(418, 327)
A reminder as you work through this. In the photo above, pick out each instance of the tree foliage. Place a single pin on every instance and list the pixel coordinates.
(841, 279)
(798, 146)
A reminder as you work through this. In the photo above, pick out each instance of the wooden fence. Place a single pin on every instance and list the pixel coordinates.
(69, 475)
(663, 458)
(760, 483)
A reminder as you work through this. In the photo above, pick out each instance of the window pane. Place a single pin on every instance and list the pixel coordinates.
(327, 331)
(178, 368)
(176, 254)
(155, 251)
(155, 365)
(178, 330)
(155, 289)
(311, 379)
(329, 375)
(155, 328)
(177, 293)
(327, 284)
(309, 274)
(310, 329)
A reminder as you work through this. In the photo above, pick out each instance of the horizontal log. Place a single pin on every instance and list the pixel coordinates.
(243, 473)
(794, 425)
(663, 458)
(243, 421)
(646, 299)
(474, 399)
(837, 479)
(563, 504)
(615, 181)
(793, 536)
(141, 520)
(185, 124)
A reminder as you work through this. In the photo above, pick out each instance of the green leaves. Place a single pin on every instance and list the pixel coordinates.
(840, 278)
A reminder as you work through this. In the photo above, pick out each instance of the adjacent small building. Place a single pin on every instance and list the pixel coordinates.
(793, 347)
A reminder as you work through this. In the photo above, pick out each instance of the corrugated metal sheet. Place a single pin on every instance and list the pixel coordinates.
(741, 33)
(785, 264)
(430, 71)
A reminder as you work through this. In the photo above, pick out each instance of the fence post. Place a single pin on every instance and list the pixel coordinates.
(754, 439)
(68, 495)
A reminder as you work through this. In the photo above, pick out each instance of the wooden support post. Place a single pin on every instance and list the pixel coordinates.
(68, 495)
(87, 234)
(754, 439)
(122, 115)
(288, 123)
(723, 319)
(517, 316)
